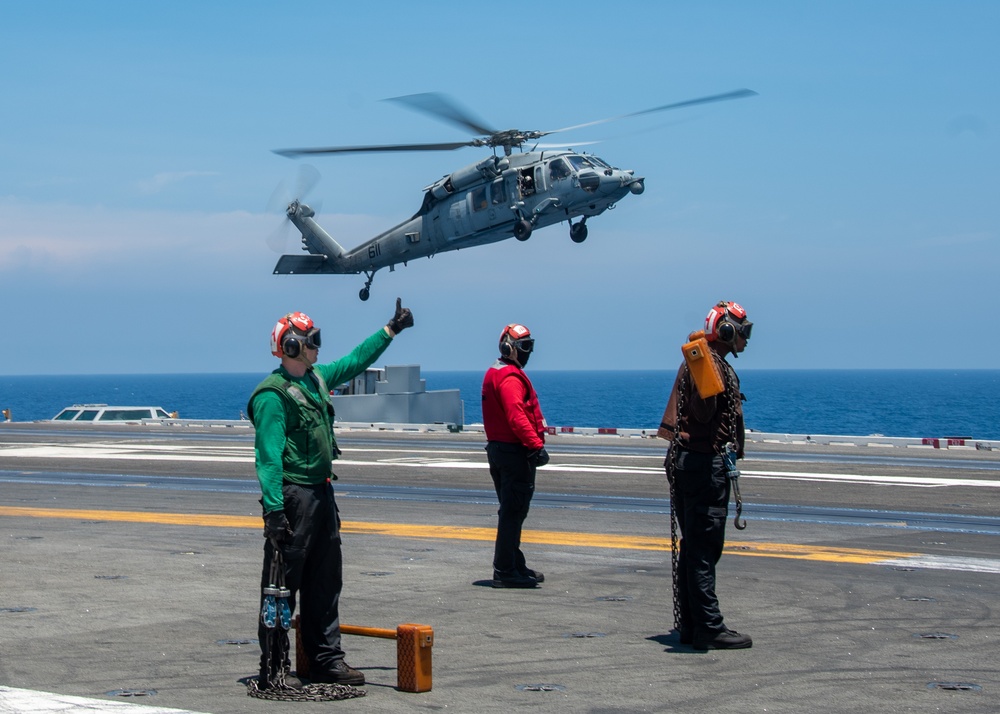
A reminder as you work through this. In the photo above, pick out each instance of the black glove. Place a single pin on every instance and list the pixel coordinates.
(539, 457)
(402, 319)
(276, 526)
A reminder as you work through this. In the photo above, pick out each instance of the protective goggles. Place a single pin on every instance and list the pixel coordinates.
(311, 339)
(744, 329)
(525, 344)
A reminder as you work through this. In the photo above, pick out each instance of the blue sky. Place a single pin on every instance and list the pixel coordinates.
(852, 207)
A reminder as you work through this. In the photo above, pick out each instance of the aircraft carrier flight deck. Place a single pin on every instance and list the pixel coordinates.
(869, 578)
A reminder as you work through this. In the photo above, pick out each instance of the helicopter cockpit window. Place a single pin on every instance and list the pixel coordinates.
(582, 162)
(558, 170)
(498, 192)
(479, 199)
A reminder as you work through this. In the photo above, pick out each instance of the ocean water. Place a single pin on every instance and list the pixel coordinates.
(906, 403)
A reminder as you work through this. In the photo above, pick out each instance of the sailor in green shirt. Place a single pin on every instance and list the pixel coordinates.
(294, 448)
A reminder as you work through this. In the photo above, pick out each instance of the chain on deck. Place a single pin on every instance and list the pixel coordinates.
(308, 693)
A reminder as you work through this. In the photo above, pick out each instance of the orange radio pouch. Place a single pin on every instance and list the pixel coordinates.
(701, 364)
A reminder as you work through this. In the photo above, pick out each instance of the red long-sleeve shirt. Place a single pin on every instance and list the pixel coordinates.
(511, 412)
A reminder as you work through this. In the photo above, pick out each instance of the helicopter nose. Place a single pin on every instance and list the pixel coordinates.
(617, 181)
(589, 181)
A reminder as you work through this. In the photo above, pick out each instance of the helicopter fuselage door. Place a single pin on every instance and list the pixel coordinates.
(458, 215)
(480, 208)
(501, 191)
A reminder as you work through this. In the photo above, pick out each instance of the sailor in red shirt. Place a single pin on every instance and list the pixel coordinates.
(515, 435)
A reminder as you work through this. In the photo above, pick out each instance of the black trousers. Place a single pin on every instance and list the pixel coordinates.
(514, 482)
(701, 502)
(314, 571)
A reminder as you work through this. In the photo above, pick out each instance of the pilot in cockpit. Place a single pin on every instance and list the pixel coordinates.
(558, 170)
(526, 184)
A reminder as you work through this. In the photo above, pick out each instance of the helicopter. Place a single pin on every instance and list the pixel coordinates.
(498, 197)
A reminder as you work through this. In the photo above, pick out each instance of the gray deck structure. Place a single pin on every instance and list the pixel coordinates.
(396, 394)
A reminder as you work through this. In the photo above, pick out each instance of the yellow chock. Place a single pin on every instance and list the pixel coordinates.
(413, 652)
(413, 657)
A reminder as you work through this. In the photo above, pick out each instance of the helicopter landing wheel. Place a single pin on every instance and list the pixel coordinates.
(368, 283)
(522, 230)
(578, 232)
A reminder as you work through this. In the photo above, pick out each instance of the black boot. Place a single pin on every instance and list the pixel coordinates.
(725, 640)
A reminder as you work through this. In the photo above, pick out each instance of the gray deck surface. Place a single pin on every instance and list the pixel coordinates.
(865, 575)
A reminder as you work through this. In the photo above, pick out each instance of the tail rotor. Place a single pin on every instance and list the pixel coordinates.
(287, 196)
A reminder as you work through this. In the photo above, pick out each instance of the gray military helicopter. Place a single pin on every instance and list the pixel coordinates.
(485, 202)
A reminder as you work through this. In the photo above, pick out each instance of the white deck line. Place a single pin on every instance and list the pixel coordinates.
(28, 701)
(872, 440)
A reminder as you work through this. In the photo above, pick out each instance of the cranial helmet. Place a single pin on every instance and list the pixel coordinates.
(293, 332)
(725, 321)
(516, 337)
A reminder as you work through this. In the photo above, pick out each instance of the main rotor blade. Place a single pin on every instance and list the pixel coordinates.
(292, 153)
(736, 94)
(567, 145)
(443, 107)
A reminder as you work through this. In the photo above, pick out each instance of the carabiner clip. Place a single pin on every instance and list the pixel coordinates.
(733, 474)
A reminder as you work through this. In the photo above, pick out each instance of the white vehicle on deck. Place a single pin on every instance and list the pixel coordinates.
(105, 413)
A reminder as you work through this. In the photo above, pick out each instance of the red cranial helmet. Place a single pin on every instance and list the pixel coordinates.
(725, 321)
(517, 337)
(293, 332)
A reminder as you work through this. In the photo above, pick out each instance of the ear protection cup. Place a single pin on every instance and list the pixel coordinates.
(725, 321)
(291, 346)
(293, 332)
(512, 333)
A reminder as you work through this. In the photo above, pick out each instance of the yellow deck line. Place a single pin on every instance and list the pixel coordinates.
(412, 530)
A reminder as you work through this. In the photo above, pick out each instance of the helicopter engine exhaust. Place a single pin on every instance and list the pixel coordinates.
(487, 169)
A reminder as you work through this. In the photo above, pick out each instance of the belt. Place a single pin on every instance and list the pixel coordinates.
(507, 446)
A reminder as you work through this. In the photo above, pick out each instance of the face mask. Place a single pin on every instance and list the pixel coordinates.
(522, 358)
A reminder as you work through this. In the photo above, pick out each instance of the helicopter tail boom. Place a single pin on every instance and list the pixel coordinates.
(314, 239)
(325, 254)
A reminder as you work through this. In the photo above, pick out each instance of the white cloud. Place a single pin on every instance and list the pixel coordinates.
(54, 238)
(161, 180)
